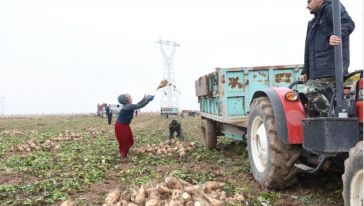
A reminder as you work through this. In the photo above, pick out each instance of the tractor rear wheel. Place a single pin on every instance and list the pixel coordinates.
(353, 176)
(208, 131)
(271, 160)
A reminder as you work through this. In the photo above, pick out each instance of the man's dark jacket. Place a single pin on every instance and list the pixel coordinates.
(107, 110)
(319, 54)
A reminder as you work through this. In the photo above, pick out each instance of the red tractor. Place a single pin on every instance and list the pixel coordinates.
(283, 138)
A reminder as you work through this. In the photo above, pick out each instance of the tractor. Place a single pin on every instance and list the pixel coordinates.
(266, 106)
(285, 135)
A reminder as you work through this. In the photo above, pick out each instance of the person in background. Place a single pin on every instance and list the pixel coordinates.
(98, 110)
(175, 126)
(319, 60)
(123, 131)
(108, 114)
(136, 112)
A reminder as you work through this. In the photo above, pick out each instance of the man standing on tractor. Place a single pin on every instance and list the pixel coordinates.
(319, 62)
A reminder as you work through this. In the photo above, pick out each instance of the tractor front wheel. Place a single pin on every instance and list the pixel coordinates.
(353, 176)
(271, 160)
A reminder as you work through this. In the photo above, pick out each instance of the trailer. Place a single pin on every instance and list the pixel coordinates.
(225, 95)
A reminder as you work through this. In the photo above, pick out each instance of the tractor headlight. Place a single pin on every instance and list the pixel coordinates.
(292, 96)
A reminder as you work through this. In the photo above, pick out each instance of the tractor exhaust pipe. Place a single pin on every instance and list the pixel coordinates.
(341, 106)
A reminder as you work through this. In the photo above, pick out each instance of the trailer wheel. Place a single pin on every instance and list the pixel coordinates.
(353, 176)
(271, 160)
(208, 134)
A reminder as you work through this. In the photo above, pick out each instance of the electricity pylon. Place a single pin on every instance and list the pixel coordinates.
(169, 98)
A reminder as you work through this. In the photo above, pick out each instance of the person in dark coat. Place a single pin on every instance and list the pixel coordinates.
(319, 60)
(175, 127)
(108, 114)
(123, 131)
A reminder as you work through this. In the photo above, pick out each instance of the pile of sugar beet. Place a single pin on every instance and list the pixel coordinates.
(172, 192)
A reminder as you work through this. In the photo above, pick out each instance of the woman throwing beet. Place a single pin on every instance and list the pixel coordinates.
(123, 132)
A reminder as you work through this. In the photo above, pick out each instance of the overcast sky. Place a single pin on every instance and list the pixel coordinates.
(65, 56)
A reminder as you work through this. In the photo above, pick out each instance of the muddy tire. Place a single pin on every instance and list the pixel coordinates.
(271, 161)
(353, 177)
(208, 131)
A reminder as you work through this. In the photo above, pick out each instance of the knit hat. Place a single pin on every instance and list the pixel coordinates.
(123, 99)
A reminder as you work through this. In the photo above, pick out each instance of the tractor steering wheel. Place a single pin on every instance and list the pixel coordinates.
(295, 83)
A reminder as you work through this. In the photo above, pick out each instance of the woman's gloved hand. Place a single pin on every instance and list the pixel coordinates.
(150, 97)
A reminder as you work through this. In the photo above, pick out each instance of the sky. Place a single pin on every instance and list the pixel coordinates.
(66, 56)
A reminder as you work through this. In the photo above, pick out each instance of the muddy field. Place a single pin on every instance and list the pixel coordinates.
(48, 160)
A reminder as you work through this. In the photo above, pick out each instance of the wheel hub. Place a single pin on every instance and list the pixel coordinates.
(259, 144)
(356, 189)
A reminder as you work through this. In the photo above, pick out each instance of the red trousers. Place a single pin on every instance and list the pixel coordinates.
(125, 138)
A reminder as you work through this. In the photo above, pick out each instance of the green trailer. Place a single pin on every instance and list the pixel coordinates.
(225, 95)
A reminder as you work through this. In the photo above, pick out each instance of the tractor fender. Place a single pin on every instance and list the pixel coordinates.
(288, 114)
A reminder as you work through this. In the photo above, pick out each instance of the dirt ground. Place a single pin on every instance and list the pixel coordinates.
(228, 163)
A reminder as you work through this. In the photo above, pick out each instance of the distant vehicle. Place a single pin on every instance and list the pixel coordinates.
(189, 113)
(101, 109)
(168, 111)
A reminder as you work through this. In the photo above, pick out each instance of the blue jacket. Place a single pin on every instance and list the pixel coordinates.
(127, 111)
(319, 54)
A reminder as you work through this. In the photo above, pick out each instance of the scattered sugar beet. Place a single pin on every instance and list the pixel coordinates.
(168, 148)
(49, 144)
(68, 203)
(33, 145)
(172, 192)
(12, 132)
(96, 131)
(67, 135)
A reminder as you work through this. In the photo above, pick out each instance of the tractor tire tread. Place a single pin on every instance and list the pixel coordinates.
(352, 164)
(281, 174)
